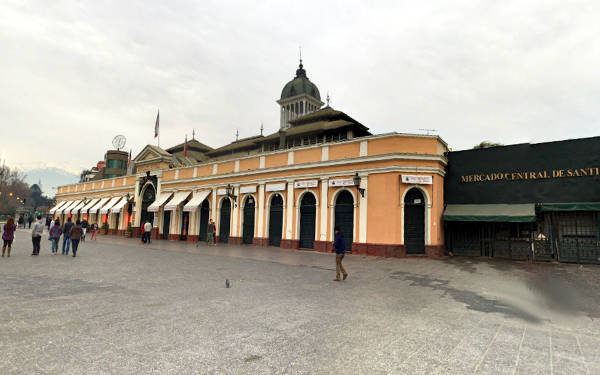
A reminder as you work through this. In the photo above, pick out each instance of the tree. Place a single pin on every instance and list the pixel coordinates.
(37, 198)
(13, 190)
(487, 144)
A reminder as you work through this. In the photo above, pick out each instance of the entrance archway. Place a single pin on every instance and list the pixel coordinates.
(148, 197)
(224, 220)
(414, 222)
(308, 218)
(248, 228)
(203, 219)
(344, 216)
(275, 220)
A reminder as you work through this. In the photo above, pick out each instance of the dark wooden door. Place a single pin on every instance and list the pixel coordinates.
(344, 216)
(166, 224)
(414, 222)
(275, 220)
(203, 217)
(308, 216)
(225, 221)
(248, 229)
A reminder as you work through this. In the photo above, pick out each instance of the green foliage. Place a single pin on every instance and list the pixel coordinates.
(487, 144)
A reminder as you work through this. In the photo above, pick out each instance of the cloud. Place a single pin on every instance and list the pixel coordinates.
(77, 74)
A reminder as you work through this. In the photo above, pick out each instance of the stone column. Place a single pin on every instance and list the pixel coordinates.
(236, 212)
(289, 210)
(261, 210)
(323, 211)
(213, 208)
(362, 221)
(138, 204)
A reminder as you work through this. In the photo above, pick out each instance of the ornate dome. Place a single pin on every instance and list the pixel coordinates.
(300, 85)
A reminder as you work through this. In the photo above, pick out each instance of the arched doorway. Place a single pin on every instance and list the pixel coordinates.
(275, 220)
(344, 216)
(203, 219)
(166, 224)
(225, 220)
(308, 217)
(148, 197)
(248, 229)
(414, 222)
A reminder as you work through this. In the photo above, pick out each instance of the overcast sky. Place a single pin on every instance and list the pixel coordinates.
(76, 73)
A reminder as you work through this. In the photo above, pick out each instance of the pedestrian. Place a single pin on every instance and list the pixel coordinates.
(210, 233)
(339, 244)
(148, 231)
(94, 229)
(30, 220)
(52, 222)
(76, 234)
(36, 235)
(54, 236)
(48, 222)
(8, 235)
(143, 236)
(21, 221)
(84, 225)
(66, 244)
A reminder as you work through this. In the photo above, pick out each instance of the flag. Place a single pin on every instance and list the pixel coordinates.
(185, 148)
(129, 159)
(156, 124)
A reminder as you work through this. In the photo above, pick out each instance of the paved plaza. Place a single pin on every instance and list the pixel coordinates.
(124, 308)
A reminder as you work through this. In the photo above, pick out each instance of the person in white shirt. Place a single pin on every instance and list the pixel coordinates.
(147, 230)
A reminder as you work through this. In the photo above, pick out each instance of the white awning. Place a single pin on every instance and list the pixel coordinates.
(75, 207)
(58, 205)
(89, 205)
(117, 207)
(109, 205)
(179, 197)
(162, 198)
(98, 205)
(196, 201)
(66, 206)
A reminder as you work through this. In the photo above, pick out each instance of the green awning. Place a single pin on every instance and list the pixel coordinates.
(583, 206)
(511, 213)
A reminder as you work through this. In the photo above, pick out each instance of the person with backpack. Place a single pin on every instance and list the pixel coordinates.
(8, 235)
(84, 225)
(66, 244)
(76, 234)
(54, 235)
(339, 244)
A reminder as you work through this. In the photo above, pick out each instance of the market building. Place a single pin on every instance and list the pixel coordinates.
(321, 169)
(524, 201)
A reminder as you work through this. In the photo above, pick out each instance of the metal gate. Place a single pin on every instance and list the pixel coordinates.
(248, 229)
(225, 221)
(414, 222)
(308, 216)
(577, 236)
(344, 216)
(204, 212)
(275, 220)
(166, 224)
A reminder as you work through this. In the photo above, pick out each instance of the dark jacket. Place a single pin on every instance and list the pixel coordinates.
(84, 224)
(55, 231)
(339, 244)
(76, 232)
(67, 228)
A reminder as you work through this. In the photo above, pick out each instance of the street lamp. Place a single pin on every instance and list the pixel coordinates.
(356, 180)
(229, 192)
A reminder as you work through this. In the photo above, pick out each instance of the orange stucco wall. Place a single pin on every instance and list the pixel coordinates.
(276, 160)
(348, 150)
(307, 156)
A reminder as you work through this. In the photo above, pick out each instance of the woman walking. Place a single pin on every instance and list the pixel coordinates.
(8, 235)
(55, 233)
(76, 234)
(94, 229)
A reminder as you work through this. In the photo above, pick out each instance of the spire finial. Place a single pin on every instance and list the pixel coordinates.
(237, 134)
(328, 98)
(300, 50)
(193, 133)
(261, 128)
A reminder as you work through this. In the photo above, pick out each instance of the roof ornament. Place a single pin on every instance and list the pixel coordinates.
(193, 133)
(328, 98)
(261, 128)
(300, 72)
(237, 134)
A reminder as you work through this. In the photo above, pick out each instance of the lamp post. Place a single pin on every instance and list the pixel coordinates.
(356, 180)
(229, 191)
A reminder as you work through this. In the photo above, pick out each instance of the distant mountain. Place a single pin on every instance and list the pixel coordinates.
(50, 178)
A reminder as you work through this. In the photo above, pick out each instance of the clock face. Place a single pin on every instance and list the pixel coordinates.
(119, 142)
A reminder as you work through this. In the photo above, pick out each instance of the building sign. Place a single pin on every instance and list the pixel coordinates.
(417, 179)
(531, 175)
(248, 189)
(341, 182)
(275, 187)
(306, 184)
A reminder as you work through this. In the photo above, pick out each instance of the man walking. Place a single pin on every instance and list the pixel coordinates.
(147, 231)
(339, 245)
(84, 225)
(36, 235)
(76, 234)
(30, 220)
(67, 237)
(210, 233)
